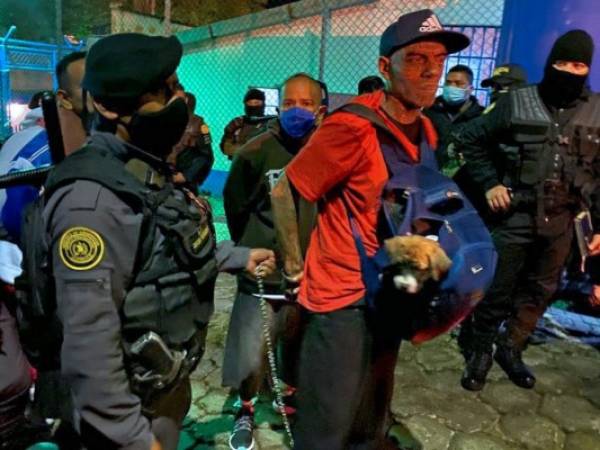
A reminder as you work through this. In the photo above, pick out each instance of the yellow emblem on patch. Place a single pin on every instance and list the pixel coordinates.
(204, 129)
(81, 248)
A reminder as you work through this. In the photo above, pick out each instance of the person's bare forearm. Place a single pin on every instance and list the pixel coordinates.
(286, 226)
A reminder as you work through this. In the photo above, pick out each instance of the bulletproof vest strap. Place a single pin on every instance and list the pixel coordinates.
(529, 115)
(145, 173)
(102, 167)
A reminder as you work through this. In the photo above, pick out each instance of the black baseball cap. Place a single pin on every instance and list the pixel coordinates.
(418, 26)
(506, 75)
(128, 65)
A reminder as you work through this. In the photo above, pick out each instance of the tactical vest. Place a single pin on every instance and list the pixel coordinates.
(547, 154)
(171, 292)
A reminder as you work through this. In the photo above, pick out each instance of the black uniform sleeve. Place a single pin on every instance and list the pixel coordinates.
(94, 237)
(195, 161)
(238, 195)
(473, 138)
(231, 258)
(228, 143)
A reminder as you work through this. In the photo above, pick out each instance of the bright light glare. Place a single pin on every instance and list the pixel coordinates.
(16, 112)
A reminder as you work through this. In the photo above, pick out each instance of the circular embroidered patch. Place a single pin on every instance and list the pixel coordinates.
(204, 129)
(81, 248)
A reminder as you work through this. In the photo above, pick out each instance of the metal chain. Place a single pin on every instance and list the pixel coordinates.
(276, 385)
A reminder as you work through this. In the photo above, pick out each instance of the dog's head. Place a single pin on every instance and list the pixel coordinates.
(415, 260)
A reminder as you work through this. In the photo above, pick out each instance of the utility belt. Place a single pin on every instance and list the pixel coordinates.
(156, 367)
(552, 197)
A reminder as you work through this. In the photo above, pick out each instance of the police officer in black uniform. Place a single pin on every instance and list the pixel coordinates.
(535, 190)
(503, 79)
(239, 130)
(193, 157)
(123, 259)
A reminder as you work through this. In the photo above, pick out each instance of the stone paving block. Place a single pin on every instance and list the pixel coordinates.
(213, 402)
(214, 379)
(412, 400)
(448, 381)
(591, 391)
(556, 381)
(505, 397)
(496, 373)
(205, 368)
(408, 352)
(583, 441)
(408, 374)
(466, 413)
(270, 440)
(478, 441)
(199, 390)
(533, 432)
(537, 355)
(571, 413)
(432, 434)
(439, 357)
(582, 366)
(561, 347)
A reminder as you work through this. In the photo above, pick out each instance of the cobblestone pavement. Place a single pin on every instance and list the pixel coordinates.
(432, 410)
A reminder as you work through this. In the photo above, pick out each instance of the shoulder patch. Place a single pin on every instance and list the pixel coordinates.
(81, 248)
(204, 129)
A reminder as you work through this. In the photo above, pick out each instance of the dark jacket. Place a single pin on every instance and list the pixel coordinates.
(246, 195)
(446, 118)
(193, 155)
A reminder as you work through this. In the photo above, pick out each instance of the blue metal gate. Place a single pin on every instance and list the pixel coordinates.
(26, 67)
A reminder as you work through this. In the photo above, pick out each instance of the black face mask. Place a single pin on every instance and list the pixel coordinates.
(560, 88)
(158, 132)
(254, 111)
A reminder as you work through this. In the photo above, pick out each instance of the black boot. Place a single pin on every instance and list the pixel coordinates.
(476, 370)
(509, 358)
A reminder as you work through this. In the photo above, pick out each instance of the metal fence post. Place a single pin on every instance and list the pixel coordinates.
(58, 23)
(5, 85)
(167, 23)
(325, 31)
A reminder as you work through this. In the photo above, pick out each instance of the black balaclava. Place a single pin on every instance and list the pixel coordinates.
(254, 111)
(559, 88)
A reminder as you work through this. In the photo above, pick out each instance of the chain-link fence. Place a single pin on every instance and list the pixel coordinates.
(336, 41)
(333, 40)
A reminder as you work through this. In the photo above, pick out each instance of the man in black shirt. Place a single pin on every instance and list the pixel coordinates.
(455, 106)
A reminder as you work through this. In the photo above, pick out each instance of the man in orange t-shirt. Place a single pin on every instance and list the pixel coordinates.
(348, 356)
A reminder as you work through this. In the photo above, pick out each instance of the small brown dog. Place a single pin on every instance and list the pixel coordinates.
(415, 260)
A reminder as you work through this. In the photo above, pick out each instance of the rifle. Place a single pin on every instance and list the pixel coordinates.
(37, 177)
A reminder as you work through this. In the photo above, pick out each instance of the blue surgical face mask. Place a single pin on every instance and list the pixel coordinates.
(297, 122)
(454, 95)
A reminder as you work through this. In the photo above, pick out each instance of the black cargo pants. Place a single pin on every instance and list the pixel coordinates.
(530, 258)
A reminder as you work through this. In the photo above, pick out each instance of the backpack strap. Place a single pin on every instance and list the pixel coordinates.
(390, 156)
(392, 159)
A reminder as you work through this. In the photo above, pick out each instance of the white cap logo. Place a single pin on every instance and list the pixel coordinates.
(431, 24)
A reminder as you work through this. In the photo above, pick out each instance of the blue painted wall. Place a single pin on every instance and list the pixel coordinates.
(530, 27)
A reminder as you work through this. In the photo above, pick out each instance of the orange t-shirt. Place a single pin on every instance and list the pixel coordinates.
(342, 167)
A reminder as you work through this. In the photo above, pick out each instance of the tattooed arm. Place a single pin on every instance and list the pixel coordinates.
(286, 228)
